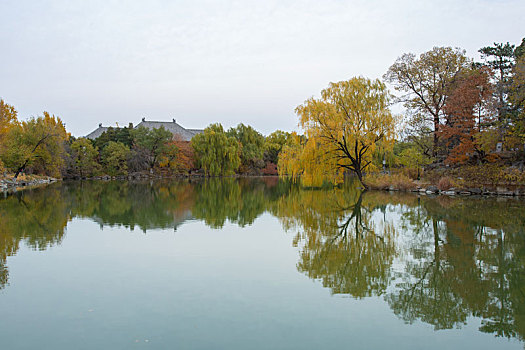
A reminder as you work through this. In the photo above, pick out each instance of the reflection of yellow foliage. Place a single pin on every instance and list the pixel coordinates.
(340, 243)
(36, 217)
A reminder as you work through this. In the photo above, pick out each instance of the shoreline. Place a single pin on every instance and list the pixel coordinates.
(500, 191)
(8, 185)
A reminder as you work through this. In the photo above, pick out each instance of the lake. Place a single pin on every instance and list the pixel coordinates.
(258, 263)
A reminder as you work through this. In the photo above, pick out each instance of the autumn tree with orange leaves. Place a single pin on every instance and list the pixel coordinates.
(179, 156)
(468, 111)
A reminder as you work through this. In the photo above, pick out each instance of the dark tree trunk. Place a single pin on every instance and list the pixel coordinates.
(359, 174)
(436, 138)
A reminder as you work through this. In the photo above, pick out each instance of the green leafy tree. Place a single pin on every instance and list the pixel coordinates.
(412, 158)
(519, 51)
(252, 143)
(114, 158)
(509, 92)
(291, 152)
(149, 145)
(84, 157)
(274, 144)
(216, 152)
(500, 58)
(122, 135)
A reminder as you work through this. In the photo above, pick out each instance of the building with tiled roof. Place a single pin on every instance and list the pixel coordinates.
(177, 130)
(97, 132)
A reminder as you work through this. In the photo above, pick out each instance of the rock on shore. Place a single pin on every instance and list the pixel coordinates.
(7, 184)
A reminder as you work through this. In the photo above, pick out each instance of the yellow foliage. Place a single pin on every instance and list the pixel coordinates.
(342, 129)
(8, 115)
(37, 143)
(8, 119)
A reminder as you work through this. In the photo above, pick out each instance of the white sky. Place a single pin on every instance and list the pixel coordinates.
(203, 62)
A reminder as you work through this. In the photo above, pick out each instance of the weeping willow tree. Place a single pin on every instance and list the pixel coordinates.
(342, 129)
(216, 152)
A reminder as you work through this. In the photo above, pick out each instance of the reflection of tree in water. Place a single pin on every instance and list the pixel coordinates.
(426, 291)
(166, 204)
(37, 218)
(468, 262)
(454, 258)
(341, 246)
(229, 199)
(148, 205)
(439, 261)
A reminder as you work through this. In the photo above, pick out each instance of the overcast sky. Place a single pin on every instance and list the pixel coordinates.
(225, 61)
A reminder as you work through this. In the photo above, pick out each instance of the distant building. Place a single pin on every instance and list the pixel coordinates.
(177, 130)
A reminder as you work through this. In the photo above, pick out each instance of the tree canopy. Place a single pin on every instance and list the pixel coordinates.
(114, 157)
(84, 156)
(342, 129)
(152, 144)
(252, 144)
(37, 142)
(424, 82)
(7, 121)
(216, 152)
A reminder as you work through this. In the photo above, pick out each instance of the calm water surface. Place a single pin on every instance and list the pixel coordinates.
(258, 264)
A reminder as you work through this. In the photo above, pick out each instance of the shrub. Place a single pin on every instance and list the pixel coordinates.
(382, 181)
(270, 169)
(412, 173)
(445, 183)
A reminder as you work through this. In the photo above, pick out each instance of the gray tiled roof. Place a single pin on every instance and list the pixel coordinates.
(97, 132)
(173, 127)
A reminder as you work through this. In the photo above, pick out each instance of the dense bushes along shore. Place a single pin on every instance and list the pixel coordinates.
(461, 117)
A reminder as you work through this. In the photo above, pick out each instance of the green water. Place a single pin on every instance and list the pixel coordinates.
(258, 264)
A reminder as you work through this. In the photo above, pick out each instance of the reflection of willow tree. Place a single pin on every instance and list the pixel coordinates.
(37, 218)
(238, 201)
(341, 244)
(466, 259)
(164, 204)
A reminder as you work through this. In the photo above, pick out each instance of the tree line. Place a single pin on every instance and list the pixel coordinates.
(456, 112)
(42, 145)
